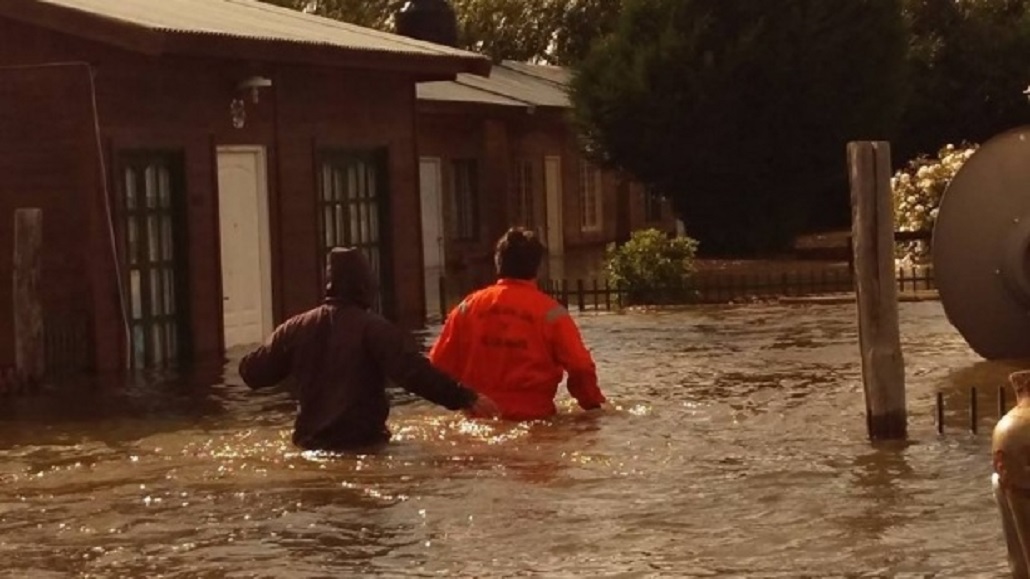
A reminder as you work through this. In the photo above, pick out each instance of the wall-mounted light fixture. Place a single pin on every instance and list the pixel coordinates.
(238, 106)
(1027, 93)
(254, 84)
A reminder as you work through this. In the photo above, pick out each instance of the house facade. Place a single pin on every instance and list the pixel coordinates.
(195, 160)
(499, 151)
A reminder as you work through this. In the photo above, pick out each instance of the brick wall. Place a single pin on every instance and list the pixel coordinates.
(183, 104)
(48, 160)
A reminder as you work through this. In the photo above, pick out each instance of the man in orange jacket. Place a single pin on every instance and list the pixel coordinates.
(512, 342)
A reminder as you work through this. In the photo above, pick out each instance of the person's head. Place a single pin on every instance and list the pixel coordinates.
(518, 254)
(349, 277)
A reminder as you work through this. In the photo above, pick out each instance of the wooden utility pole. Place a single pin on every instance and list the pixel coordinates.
(28, 307)
(872, 231)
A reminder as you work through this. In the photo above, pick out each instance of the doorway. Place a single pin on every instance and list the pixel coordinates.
(245, 246)
(554, 235)
(431, 191)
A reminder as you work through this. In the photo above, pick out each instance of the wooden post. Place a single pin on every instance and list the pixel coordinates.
(28, 308)
(872, 223)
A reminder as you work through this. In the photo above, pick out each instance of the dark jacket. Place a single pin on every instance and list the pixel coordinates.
(340, 356)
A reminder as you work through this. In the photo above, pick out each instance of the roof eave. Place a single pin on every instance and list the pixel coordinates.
(432, 107)
(154, 42)
(84, 25)
(431, 67)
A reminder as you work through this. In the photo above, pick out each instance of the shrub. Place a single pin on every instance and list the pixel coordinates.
(917, 196)
(652, 267)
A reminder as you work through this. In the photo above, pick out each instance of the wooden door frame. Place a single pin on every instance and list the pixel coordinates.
(129, 156)
(554, 249)
(442, 229)
(265, 257)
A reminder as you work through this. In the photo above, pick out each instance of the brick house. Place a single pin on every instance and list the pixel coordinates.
(194, 159)
(500, 151)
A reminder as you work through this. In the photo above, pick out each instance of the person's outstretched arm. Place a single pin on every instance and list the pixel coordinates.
(272, 362)
(574, 357)
(396, 353)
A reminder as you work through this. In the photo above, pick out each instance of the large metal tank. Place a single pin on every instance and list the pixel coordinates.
(981, 248)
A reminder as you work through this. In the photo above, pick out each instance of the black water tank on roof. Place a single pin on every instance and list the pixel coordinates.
(429, 20)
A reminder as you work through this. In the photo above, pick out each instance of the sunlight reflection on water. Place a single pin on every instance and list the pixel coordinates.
(736, 447)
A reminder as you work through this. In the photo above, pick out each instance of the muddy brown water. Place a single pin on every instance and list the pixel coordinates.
(738, 449)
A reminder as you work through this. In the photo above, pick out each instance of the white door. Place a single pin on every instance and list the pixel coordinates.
(555, 233)
(246, 252)
(431, 188)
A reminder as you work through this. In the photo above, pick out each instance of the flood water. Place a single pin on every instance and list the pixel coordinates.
(738, 448)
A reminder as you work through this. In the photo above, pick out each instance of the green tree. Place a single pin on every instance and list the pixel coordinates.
(582, 23)
(557, 32)
(520, 30)
(970, 62)
(550, 31)
(369, 13)
(740, 111)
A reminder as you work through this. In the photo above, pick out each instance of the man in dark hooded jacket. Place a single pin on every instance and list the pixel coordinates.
(340, 356)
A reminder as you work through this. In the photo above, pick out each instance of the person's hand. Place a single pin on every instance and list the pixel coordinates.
(599, 407)
(483, 407)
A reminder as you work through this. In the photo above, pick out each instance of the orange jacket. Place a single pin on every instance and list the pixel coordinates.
(512, 342)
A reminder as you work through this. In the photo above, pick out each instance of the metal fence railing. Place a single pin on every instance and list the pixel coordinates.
(703, 288)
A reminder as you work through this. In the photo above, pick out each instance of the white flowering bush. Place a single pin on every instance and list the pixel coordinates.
(917, 196)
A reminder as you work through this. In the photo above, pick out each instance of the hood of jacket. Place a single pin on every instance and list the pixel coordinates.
(350, 278)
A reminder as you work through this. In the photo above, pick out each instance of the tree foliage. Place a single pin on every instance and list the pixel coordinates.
(369, 13)
(582, 23)
(550, 31)
(970, 62)
(508, 29)
(740, 111)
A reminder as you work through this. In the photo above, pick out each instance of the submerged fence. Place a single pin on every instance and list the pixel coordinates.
(971, 412)
(67, 346)
(707, 287)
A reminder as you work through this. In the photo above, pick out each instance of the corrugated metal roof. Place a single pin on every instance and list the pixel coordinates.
(556, 74)
(523, 87)
(508, 84)
(254, 20)
(448, 91)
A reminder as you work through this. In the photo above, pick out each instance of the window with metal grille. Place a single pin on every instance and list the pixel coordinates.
(153, 228)
(524, 208)
(352, 195)
(590, 199)
(464, 200)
